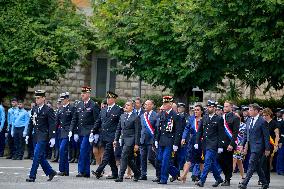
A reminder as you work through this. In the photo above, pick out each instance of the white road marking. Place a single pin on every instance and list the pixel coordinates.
(11, 167)
(16, 173)
(1, 172)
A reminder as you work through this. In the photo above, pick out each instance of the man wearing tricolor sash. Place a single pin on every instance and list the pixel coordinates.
(231, 128)
(148, 123)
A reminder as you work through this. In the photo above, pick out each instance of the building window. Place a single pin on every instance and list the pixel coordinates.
(103, 78)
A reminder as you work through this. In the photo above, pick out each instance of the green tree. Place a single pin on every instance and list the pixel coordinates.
(142, 35)
(39, 40)
(245, 36)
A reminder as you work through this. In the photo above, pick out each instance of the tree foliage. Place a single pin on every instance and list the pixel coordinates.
(39, 40)
(180, 44)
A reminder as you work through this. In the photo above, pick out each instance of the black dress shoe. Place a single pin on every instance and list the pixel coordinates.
(162, 182)
(156, 180)
(27, 157)
(226, 183)
(51, 176)
(118, 180)
(98, 175)
(14, 158)
(200, 184)
(265, 186)
(9, 157)
(111, 177)
(62, 174)
(135, 179)
(76, 161)
(54, 160)
(72, 160)
(143, 178)
(241, 186)
(30, 180)
(80, 175)
(217, 183)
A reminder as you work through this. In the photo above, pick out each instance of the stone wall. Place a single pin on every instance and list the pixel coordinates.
(72, 81)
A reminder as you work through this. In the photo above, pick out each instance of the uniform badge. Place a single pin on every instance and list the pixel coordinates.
(170, 124)
(34, 118)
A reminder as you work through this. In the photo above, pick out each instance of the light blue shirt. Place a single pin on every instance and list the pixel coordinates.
(10, 117)
(21, 119)
(2, 117)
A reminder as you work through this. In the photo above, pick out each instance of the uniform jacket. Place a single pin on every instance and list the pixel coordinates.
(212, 131)
(146, 137)
(84, 118)
(258, 136)
(64, 118)
(234, 123)
(107, 122)
(169, 129)
(129, 129)
(42, 122)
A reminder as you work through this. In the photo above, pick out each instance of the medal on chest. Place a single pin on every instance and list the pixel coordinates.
(170, 124)
(34, 118)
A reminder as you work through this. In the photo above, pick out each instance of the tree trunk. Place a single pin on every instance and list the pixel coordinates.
(252, 93)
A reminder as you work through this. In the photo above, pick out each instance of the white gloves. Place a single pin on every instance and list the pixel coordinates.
(156, 144)
(220, 150)
(24, 134)
(91, 138)
(76, 137)
(195, 146)
(12, 133)
(27, 139)
(52, 142)
(175, 148)
(70, 135)
(120, 142)
(96, 137)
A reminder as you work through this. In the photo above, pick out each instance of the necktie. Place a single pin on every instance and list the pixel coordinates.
(147, 115)
(137, 112)
(108, 109)
(251, 123)
(126, 116)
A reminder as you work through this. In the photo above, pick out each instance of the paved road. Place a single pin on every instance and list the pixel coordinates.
(14, 172)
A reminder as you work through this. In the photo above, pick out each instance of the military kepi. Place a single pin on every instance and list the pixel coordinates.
(64, 95)
(111, 95)
(86, 89)
(167, 99)
(211, 103)
(40, 93)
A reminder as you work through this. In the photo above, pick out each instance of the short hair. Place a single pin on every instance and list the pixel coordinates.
(200, 106)
(138, 98)
(268, 111)
(131, 101)
(229, 102)
(152, 101)
(255, 106)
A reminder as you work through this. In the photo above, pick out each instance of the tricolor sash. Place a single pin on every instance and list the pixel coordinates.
(228, 130)
(148, 125)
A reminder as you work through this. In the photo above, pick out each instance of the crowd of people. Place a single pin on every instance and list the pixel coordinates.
(215, 138)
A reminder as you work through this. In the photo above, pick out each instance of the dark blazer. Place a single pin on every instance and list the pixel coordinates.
(258, 136)
(146, 137)
(212, 131)
(107, 122)
(129, 130)
(43, 123)
(64, 118)
(140, 113)
(234, 124)
(169, 136)
(84, 118)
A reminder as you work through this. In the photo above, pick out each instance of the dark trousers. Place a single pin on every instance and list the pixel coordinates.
(84, 157)
(11, 143)
(164, 165)
(210, 164)
(254, 164)
(19, 142)
(63, 153)
(265, 166)
(145, 151)
(2, 142)
(127, 158)
(225, 161)
(108, 159)
(280, 162)
(30, 147)
(57, 145)
(40, 158)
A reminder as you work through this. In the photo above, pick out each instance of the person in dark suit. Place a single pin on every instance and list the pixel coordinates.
(106, 127)
(149, 122)
(86, 114)
(42, 121)
(64, 118)
(129, 130)
(212, 132)
(257, 136)
(167, 140)
(231, 126)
